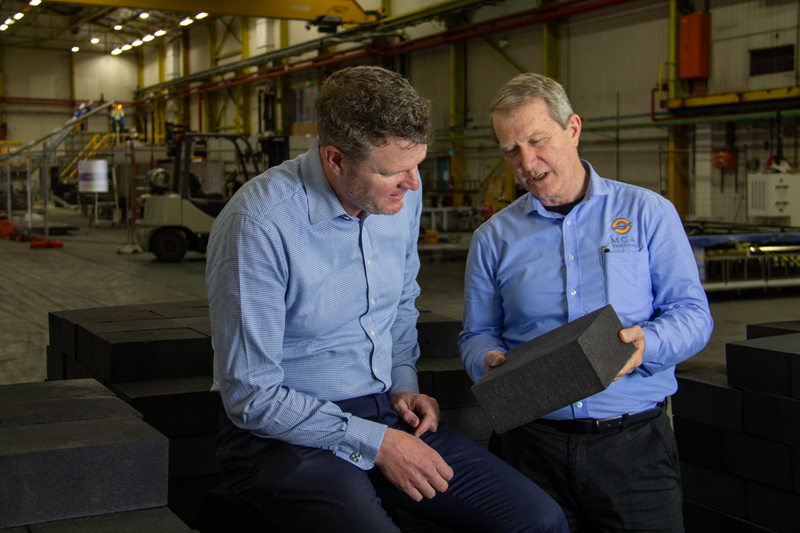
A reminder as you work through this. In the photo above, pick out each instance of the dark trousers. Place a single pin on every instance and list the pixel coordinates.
(310, 490)
(612, 481)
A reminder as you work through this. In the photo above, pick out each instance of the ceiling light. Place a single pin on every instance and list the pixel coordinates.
(137, 42)
(184, 22)
(126, 47)
(9, 21)
(147, 38)
(201, 16)
(118, 27)
(35, 2)
(3, 27)
(18, 16)
(95, 40)
(116, 52)
(159, 33)
(75, 48)
(144, 15)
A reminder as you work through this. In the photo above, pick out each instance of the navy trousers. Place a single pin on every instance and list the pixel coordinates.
(619, 480)
(305, 489)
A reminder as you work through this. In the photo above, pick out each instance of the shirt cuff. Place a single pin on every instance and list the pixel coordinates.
(652, 346)
(362, 440)
(404, 378)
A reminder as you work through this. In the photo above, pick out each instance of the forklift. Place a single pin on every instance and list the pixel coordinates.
(177, 215)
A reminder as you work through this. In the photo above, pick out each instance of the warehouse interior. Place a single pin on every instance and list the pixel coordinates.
(173, 106)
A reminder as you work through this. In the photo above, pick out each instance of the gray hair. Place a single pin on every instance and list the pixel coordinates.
(363, 108)
(525, 88)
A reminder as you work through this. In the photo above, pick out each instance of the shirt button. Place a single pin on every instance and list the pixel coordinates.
(579, 404)
(571, 258)
(372, 333)
(573, 293)
(372, 301)
(569, 222)
(369, 262)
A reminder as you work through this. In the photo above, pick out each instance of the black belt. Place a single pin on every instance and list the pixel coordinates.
(583, 426)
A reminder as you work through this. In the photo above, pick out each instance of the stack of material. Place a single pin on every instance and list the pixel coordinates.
(738, 433)
(158, 359)
(74, 457)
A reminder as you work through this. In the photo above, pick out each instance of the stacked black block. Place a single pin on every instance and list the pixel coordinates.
(74, 457)
(738, 433)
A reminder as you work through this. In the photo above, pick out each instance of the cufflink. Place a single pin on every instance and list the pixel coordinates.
(355, 457)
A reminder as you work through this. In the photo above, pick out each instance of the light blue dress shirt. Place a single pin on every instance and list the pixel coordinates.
(309, 306)
(530, 270)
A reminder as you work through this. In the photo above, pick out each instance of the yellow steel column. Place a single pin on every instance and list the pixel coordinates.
(458, 112)
(140, 110)
(210, 98)
(244, 89)
(3, 124)
(160, 107)
(185, 102)
(72, 80)
(678, 157)
(386, 6)
(282, 113)
(551, 46)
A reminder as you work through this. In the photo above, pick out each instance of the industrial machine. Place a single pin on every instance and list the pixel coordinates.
(177, 215)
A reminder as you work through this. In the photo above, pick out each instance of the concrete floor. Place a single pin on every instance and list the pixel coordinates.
(87, 272)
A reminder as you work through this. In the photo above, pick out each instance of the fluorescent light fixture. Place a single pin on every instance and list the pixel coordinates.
(144, 15)
(159, 33)
(35, 2)
(147, 38)
(118, 27)
(126, 47)
(9, 21)
(201, 15)
(75, 48)
(18, 16)
(184, 22)
(137, 42)
(95, 40)
(116, 52)
(3, 27)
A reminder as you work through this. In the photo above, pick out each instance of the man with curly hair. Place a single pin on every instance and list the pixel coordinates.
(311, 282)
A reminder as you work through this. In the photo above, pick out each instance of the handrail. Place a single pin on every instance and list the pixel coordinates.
(93, 146)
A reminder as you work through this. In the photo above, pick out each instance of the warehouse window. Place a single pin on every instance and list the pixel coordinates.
(771, 60)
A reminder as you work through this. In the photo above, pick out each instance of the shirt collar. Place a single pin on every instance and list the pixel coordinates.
(597, 187)
(323, 204)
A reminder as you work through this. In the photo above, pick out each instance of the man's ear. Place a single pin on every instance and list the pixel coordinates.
(574, 127)
(334, 159)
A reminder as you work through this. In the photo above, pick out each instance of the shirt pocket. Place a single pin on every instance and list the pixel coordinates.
(627, 284)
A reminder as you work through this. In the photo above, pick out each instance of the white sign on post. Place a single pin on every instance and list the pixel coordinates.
(93, 175)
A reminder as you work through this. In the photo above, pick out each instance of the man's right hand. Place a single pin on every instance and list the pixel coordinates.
(492, 359)
(412, 466)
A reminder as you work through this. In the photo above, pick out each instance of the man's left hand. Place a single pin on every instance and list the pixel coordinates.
(410, 406)
(636, 336)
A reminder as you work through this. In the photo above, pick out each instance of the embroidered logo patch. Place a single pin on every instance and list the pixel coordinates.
(621, 226)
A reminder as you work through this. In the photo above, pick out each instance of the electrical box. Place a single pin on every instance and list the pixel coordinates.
(774, 196)
(725, 160)
(694, 46)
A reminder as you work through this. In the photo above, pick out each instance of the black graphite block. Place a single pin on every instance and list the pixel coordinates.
(175, 407)
(184, 313)
(69, 321)
(437, 335)
(425, 381)
(186, 495)
(570, 363)
(75, 370)
(223, 512)
(717, 490)
(700, 519)
(153, 354)
(193, 456)
(705, 396)
(89, 331)
(760, 460)
(770, 329)
(742, 526)
(700, 443)
(81, 468)
(770, 365)
(451, 383)
(771, 417)
(772, 508)
(201, 324)
(796, 470)
(56, 362)
(158, 520)
(57, 390)
(165, 307)
(469, 421)
(15, 530)
(63, 410)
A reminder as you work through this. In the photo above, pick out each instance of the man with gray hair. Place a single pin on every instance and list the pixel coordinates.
(576, 243)
(311, 282)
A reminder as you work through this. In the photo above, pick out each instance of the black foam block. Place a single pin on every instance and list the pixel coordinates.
(700, 443)
(469, 421)
(184, 312)
(772, 508)
(193, 456)
(437, 335)
(770, 329)
(742, 526)
(701, 519)
(88, 332)
(56, 364)
(796, 470)
(717, 490)
(771, 417)
(175, 407)
(572, 362)
(41, 391)
(760, 460)
(223, 512)
(74, 369)
(770, 365)
(63, 410)
(705, 396)
(451, 383)
(425, 381)
(158, 520)
(69, 321)
(82, 468)
(186, 495)
(152, 354)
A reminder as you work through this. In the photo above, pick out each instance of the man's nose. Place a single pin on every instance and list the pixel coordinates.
(410, 180)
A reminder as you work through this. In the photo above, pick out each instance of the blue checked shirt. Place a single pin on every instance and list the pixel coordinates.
(530, 270)
(309, 306)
